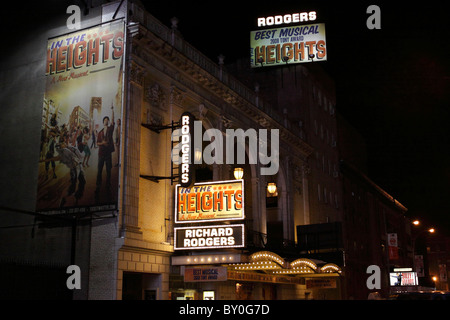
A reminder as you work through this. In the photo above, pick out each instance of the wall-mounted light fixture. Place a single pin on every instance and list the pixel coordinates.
(271, 187)
(238, 173)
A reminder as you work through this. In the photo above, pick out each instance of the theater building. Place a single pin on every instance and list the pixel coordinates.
(125, 215)
(214, 253)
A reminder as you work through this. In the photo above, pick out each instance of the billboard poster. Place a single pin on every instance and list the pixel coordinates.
(212, 201)
(288, 45)
(81, 125)
(403, 279)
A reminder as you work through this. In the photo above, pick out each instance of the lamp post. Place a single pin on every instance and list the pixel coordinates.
(429, 230)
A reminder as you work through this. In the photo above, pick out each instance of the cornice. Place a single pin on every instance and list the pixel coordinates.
(150, 49)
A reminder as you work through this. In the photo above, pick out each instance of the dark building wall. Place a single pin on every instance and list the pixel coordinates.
(27, 240)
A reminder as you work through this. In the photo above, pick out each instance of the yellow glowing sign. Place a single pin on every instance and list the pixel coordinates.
(287, 45)
(214, 201)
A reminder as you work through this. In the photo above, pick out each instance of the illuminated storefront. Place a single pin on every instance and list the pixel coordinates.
(264, 275)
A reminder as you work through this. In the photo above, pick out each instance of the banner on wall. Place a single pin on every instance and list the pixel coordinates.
(392, 246)
(81, 125)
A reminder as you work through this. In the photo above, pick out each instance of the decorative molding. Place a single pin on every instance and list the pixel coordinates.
(202, 111)
(136, 74)
(197, 79)
(226, 122)
(176, 96)
(153, 119)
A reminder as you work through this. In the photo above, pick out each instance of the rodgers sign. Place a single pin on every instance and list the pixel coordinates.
(294, 44)
(204, 202)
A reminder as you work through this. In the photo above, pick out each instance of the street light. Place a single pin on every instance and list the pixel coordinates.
(414, 238)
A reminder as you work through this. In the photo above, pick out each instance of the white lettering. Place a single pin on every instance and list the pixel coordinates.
(278, 19)
(74, 21)
(185, 149)
(287, 18)
(74, 280)
(209, 237)
(303, 16)
(213, 153)
(374, 21)
(261, 22)
(374, 281)
(184, 120)
(185, 138)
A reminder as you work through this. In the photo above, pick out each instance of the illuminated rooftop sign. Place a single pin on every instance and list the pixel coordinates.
(213, 201)
(288, 45)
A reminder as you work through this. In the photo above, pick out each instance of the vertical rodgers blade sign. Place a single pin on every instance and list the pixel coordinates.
(81, 125)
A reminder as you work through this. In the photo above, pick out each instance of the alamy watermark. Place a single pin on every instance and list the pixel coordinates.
(262, 147)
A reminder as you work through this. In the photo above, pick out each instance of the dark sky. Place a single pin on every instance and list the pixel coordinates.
(392, 84)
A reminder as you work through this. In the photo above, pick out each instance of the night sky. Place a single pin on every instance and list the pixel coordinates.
(392, 84)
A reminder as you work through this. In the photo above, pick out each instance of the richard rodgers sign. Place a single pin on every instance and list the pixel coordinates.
(209, 237)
